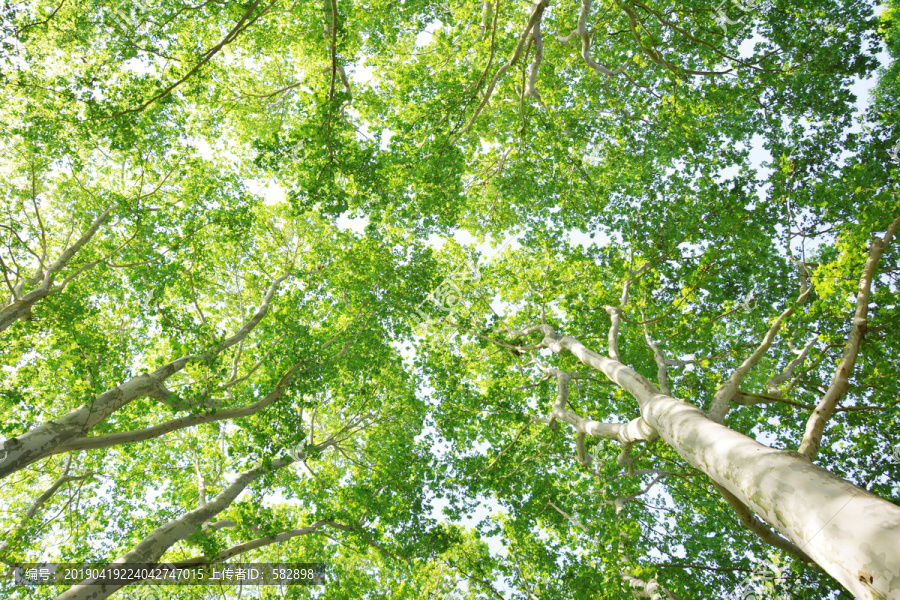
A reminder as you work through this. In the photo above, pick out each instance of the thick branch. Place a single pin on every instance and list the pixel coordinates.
(758, 526)
(46, 439)
(721, 402)
(582, 32)
(636, 430)
(812, 438)
(139, 435)
(538, 37)
(21, 308)
(155, 545)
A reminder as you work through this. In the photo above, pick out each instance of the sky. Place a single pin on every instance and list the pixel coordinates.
(273, 193)
(360, 76)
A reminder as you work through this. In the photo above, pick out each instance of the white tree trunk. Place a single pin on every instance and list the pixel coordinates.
(851, 533)
(152, 547)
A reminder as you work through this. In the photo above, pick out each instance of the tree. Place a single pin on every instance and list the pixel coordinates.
(469, 370)
(653, 413)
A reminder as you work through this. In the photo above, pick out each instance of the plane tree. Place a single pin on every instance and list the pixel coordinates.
(587, 107)
(756, 286)
(723, 388)
(169, 317)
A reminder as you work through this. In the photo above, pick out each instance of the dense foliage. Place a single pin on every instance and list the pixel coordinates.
(268, 266)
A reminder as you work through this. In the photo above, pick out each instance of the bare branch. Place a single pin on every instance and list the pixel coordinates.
(662, 368)
(636, 430)
(523, 38)
(21, 308)
(812, 438)
(721, 402)
(773, 383)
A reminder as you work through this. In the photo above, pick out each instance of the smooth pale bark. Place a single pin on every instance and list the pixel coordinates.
(42, 441)
(20, 308)
(754, 524)
(850, 533)
(51, 437)
(648, 589)
(815, 426)
(636, 430)
(155, 545)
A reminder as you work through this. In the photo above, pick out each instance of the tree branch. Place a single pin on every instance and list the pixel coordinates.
(20, 308)
(636, 430)
(812, 438)
(759, 527)
(535, 16)
(773, 383)
(721, 402)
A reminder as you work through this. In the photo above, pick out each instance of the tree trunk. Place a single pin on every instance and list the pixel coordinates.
(45, 439)
(155, 545)
(850, 533)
